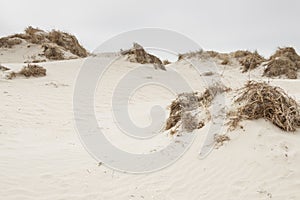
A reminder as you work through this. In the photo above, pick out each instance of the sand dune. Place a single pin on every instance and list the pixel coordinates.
(42, 156)
(36, 45)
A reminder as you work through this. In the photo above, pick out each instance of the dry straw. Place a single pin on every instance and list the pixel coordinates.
(186, 102)
(53, 52)
(285, 61)
(33, 70)
(29, 71)
(251, 61)
(260, 100)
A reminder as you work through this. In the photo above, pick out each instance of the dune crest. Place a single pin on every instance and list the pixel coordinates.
(36, 45)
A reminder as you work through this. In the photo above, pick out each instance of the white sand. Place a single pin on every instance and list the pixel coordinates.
(41, 156)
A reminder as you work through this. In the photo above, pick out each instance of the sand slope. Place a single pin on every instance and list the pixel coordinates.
(41, 156)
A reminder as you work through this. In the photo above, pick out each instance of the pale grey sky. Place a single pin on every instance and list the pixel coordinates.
(218, 25)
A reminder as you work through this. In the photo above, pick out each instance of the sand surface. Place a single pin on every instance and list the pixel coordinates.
(41, 156)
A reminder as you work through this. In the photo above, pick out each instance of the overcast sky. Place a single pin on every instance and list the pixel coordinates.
(215, 25)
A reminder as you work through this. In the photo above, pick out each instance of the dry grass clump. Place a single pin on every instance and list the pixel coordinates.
(260, 100)
(28, 71)
(281, 66)
(35, 35)
(38, 61)
(53, 52)
(226, 61)
(285, 61)
(251, 61)
(33, 70)
(137, 54)
(184, 102)
(181, 107)
(11, 75)
(193, 54)
(224, 57)
(7, 42)
(288, 52)
(31, 31)
(212, 54)
(240, 53)
(209, 73)
(166, 62)
(67, 41)
(203, 55)
(220, 140)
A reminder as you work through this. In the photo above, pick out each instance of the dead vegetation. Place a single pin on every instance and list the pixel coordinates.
(137, 54)
(226, 61)
(28, 71)
(166, 62)
(240, 53)
(184, 102)
(2, 68)
(7, 42)
(53, 52)
(250, 61)
(220, 140)
(285, 61)
(203, 55)
(209, 73)
(281, 66)
(181, 108)
(260, 100)
(193, 54)
(64, 40)
(247, 59)
(32, 70)
(31, 31)
(68, 42)
(288, 52)
(37, 61)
